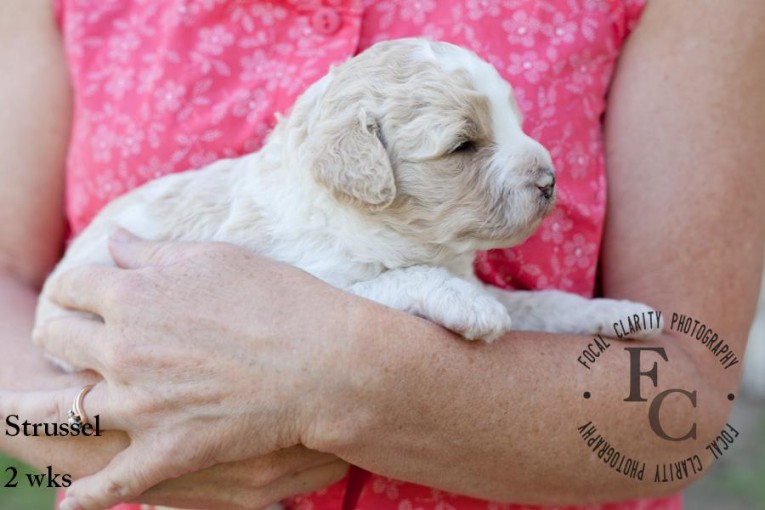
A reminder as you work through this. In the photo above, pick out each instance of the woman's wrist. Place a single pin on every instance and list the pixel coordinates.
(370, 375)
(349, 374)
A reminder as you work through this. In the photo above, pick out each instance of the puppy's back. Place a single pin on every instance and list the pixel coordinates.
(189, 206)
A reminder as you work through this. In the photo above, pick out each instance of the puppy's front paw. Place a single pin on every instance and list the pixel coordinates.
(626, 319)
(467, 310)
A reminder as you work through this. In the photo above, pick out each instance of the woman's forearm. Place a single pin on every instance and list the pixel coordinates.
(502, 421)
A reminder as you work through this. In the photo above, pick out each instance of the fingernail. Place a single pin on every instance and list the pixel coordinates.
(69, 504)
(120, 235)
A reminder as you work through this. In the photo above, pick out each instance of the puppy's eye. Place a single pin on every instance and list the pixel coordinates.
(464, 146)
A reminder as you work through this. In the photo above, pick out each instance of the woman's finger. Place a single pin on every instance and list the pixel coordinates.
(245, 494)
(290, 460)
(53, 407)
(305, 481)
(130, 473)
(74, 339)
(132, 252)
(85, 288)
(250, 476)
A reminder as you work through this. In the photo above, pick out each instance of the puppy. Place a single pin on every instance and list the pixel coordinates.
(388, 175)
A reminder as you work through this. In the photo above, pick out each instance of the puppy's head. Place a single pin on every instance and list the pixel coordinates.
(426, 138)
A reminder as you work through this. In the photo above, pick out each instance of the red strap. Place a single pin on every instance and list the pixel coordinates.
(357, 478)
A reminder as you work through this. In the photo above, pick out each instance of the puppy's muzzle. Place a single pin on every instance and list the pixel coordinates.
(545, 182)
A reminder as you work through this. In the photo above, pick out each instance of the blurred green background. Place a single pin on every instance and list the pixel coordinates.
(22, 497)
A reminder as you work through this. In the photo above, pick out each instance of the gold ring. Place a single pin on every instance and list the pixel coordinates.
(76, 415)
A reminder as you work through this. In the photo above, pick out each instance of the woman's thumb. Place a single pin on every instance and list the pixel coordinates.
(132, 252)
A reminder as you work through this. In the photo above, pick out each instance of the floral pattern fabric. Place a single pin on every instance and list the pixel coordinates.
(165, 86)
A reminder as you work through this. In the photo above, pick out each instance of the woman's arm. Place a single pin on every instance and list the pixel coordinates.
(34, 127)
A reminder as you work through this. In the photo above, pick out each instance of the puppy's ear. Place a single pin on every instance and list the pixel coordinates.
(350, 159)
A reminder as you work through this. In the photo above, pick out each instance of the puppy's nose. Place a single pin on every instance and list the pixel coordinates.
(546, 182)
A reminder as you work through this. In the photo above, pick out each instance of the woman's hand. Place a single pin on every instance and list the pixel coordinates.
(209, 353)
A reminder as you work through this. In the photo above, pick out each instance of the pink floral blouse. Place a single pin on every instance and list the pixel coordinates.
(164, 86)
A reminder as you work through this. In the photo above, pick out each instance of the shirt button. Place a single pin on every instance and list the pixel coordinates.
(326, 21)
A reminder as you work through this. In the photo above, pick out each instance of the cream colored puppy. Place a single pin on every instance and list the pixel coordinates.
(387, 176)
